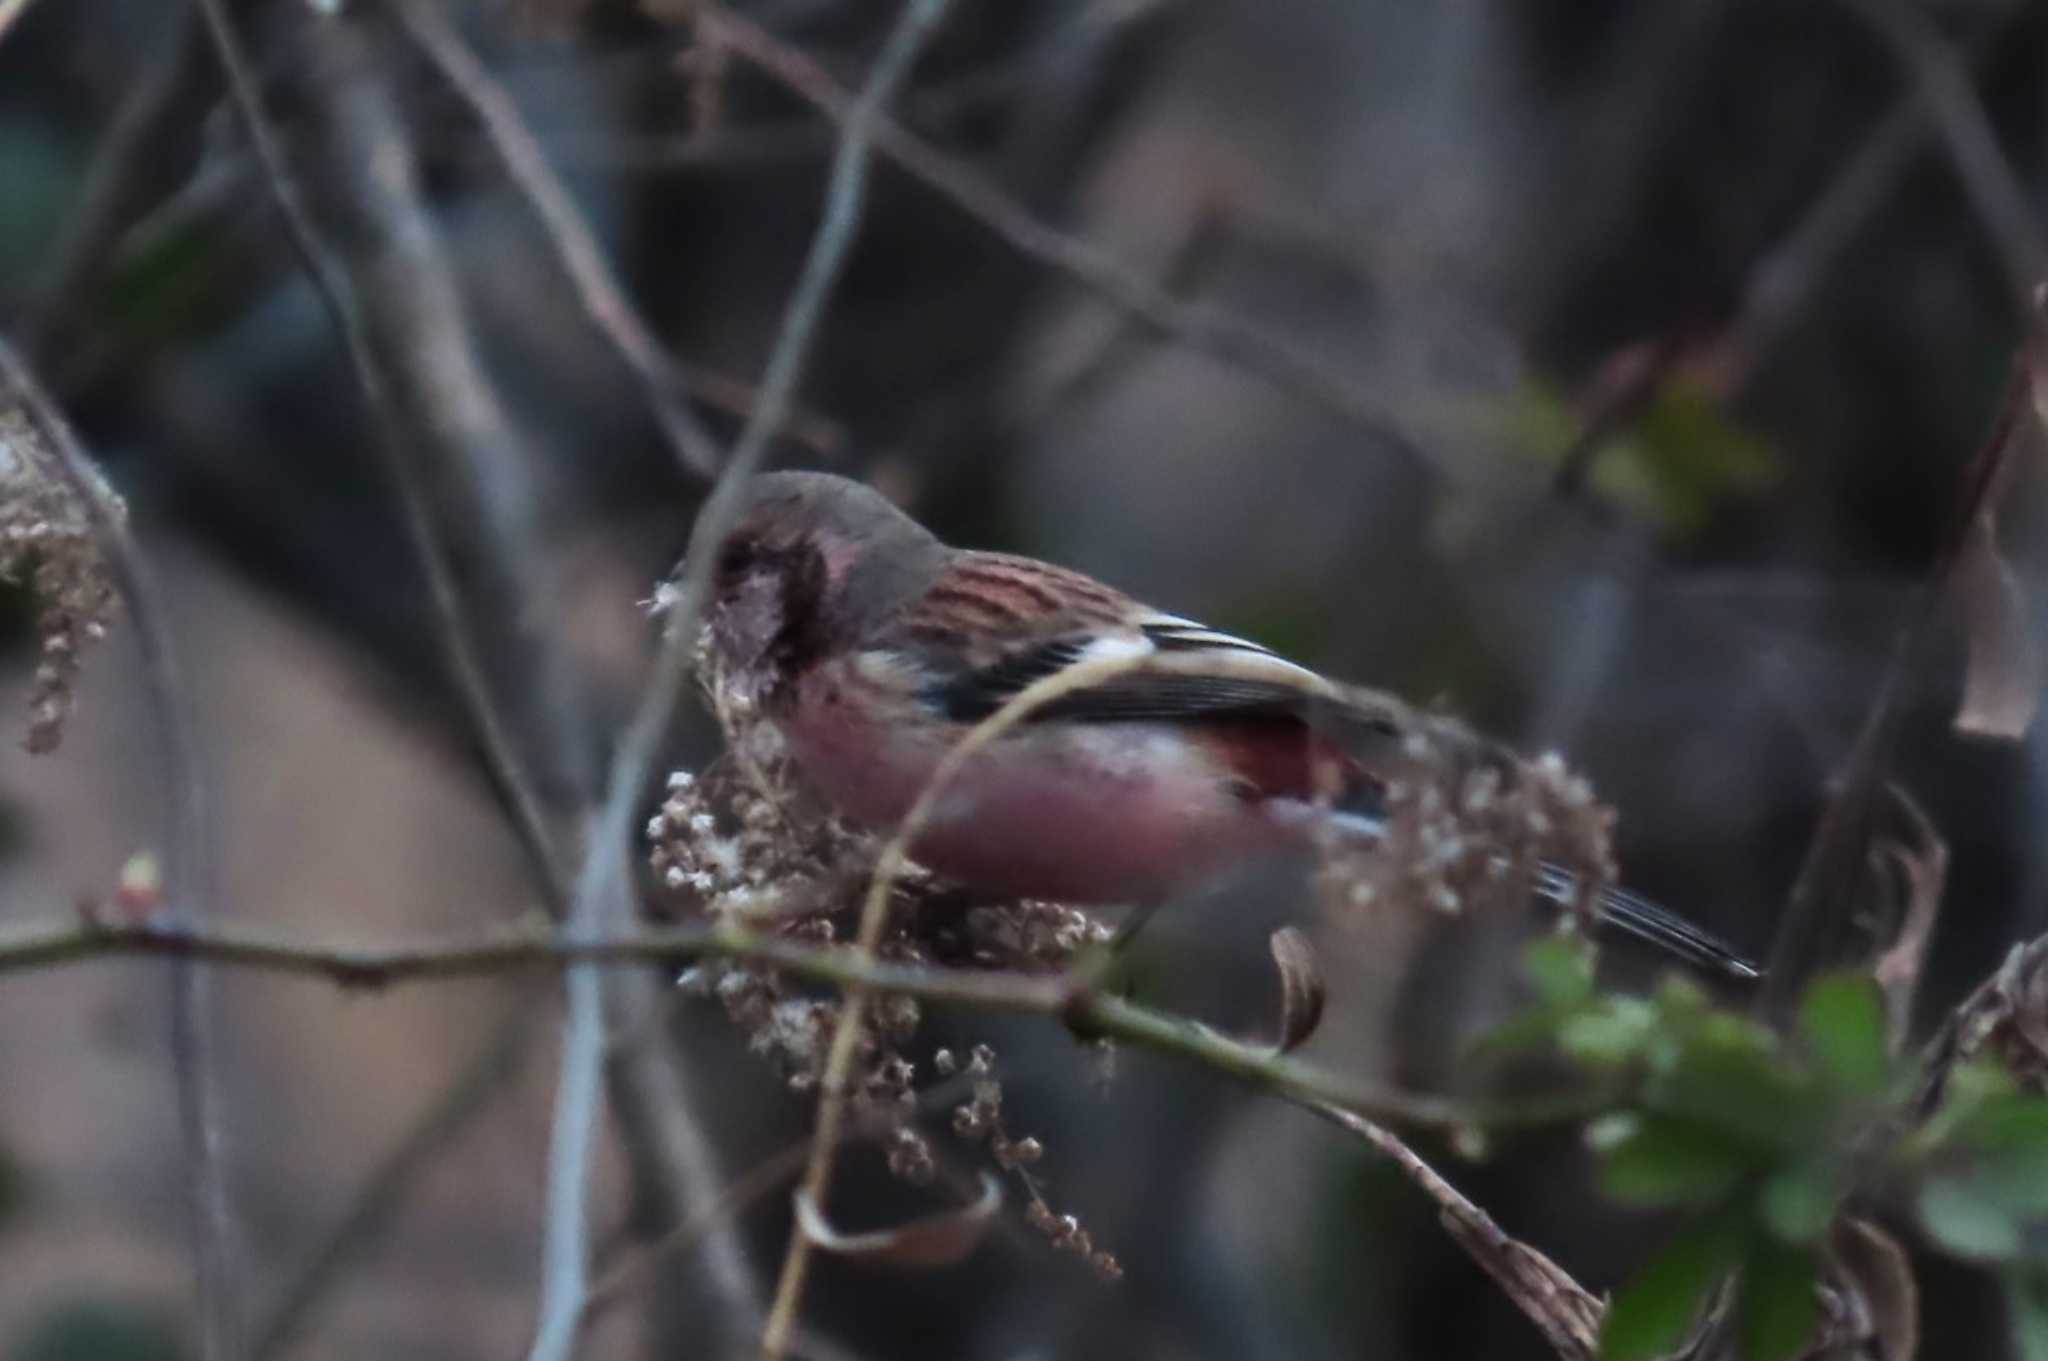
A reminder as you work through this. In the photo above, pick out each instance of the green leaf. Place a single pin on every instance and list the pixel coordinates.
(1651, 1314)
(2026, 1293)
(2003, 1151)
(1799, 1203)
(1560, 969)
(1608, 1035)
(1957, 1213)
(1661, 1161)
(1729, 1078)
(1777, 1306)
(1842, 1022)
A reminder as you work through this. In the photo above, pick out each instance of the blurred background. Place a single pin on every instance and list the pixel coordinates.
(1604, 372)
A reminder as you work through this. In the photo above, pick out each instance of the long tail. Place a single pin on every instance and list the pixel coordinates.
(1645, 920)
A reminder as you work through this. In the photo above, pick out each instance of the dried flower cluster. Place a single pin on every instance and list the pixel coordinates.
(744, 842)
(981, 1118)
(47, 541)
(1468, 823)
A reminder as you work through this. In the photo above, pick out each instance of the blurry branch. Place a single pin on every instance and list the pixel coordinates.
(149, 149)
(632, 1270)
(1205, 327)
(1777, 287)
(1779, 283)
(188, 878)
(575, 246)
(1820, 918)
(473, 514)
(1987, 176)
(603, 889)
(1565, 1312)
(389, 1185)
(418, 313)
(541, 945)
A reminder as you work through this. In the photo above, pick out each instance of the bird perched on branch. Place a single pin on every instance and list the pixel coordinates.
(875, 648)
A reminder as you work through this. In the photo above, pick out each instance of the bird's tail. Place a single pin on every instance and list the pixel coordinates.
(1646, 921)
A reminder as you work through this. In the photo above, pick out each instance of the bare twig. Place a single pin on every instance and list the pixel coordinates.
(432, 376)
(1819, 912)
(331, 278)
(752, 1185)
(603, 888)
(575, 246)
(1777, 286)
(1200, 326)
(58, 941)
(1987, 176)
(148, 150)
(391, 1182)
(188, 876)
(1564, 1311)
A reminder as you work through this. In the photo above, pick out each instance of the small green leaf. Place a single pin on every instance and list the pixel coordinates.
(1728, 1077)
(1841, 1020)
(1799, 1203)
(1608, 1035)
(1662, 1161)
(1650, 1314)
(1560, 969)
(1962, 1218)
(1777, 1307)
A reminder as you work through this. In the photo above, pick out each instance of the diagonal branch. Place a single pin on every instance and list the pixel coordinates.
(1232, 338)
(1567, 1314)
(575, 246)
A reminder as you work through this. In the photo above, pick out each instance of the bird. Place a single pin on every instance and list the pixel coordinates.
(875, 647)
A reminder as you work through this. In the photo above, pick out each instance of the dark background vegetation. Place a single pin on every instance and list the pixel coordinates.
(1722, 234)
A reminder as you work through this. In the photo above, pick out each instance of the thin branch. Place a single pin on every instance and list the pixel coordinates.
(416, 308)
(1987, 176)
(834, 1081)
(603, 889)
(1822, 906)
(391, 1182)
(149, 150)
(1565, 1312)
(188, 871)
(629, 1273)
(1232, 338)
(575, 245)
(331, 280)
(32, 946)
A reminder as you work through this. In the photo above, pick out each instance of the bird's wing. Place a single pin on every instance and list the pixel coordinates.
(1246, 681)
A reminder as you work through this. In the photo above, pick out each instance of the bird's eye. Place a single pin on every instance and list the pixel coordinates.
(737, 557)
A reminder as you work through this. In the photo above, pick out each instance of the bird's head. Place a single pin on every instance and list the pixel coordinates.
(813, 562)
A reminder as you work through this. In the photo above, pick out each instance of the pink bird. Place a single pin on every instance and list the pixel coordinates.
(875, 647)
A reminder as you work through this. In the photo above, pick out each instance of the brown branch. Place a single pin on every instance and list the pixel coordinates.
(1987, 177)
(1205, 327)
(386, 284)
(1567, 1314)
(150, 148)
(32, 946)
(390, 1184)
(1819, 914)
(574, 244)
(188, 872)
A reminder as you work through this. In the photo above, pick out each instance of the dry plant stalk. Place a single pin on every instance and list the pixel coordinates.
(48, 543)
